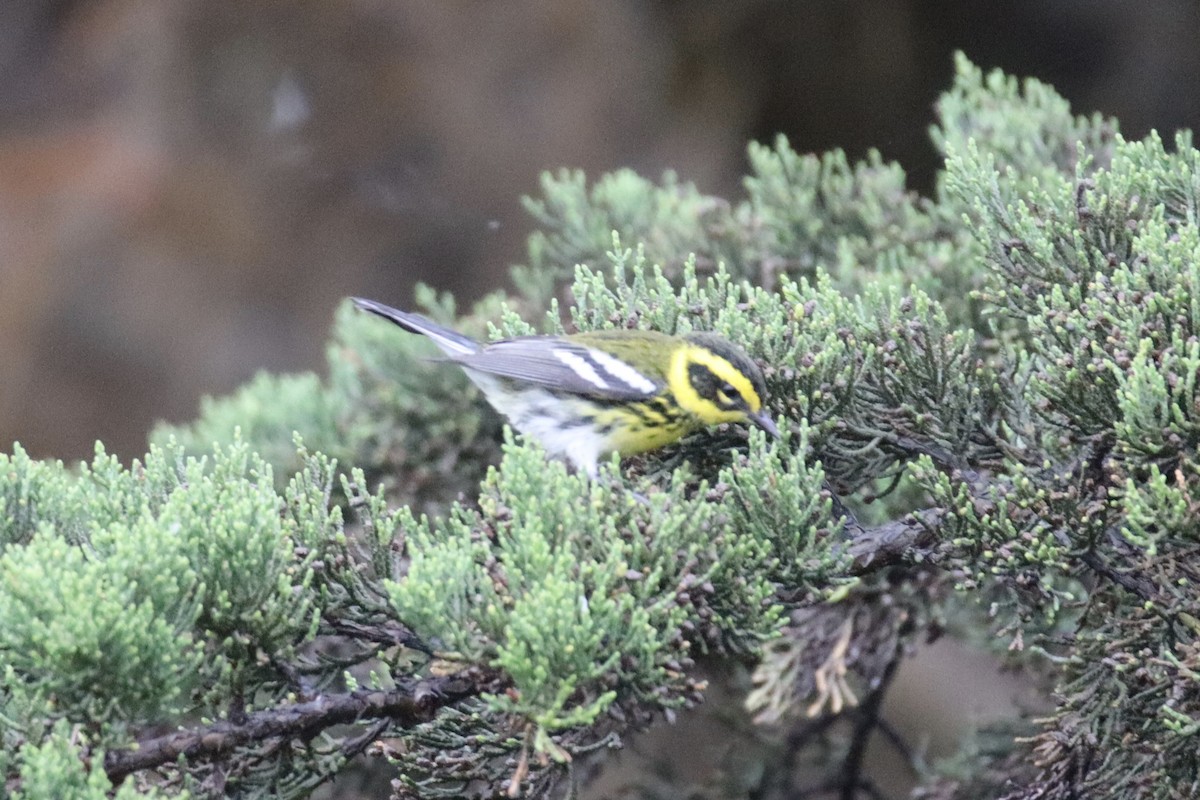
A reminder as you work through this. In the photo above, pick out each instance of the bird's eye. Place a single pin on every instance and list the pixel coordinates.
(727, 395)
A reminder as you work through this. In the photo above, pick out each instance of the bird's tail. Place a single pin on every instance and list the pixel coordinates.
(452, 344)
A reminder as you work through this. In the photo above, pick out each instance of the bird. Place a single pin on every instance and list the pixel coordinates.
(584, 396)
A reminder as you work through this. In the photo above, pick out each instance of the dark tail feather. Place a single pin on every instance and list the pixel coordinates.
(451, 343)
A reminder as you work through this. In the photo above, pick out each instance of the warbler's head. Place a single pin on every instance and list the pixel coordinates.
(715, 381)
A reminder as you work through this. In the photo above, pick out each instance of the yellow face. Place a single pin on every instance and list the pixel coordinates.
(709, 387)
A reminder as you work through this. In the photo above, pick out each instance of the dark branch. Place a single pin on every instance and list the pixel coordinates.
(913, 759)
(892, 542)
(405, 706)
(798, 738)
(298, 681)
(1143, 589)
(384, 632)
(899, 540)
(864, 726)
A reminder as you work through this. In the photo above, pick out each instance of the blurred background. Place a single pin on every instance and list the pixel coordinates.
(187, 189)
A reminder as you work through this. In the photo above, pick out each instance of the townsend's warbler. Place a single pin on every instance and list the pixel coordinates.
(589, 394)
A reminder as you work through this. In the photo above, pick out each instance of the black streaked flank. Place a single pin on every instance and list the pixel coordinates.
(669, 411)
(638, 410)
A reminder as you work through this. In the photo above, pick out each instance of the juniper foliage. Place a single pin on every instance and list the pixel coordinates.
(989, 400)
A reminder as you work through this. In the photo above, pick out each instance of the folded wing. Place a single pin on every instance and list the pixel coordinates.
(562, 366)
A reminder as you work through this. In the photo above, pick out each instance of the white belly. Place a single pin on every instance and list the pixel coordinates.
(553, 422)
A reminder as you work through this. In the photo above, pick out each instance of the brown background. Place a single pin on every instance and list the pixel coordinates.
(187, 189)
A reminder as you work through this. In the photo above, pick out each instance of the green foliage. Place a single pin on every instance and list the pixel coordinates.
(576, 222)
(777, 500)
(255, 411)
(55, 769)
(1090, 248)
(107, 637)
(858, 223)
(28, 492)
(1025, 125)
(229, 525)
(146, 589)
(445, 587)
(583, 589)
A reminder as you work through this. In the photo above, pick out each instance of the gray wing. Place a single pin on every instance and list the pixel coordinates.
(562, 366)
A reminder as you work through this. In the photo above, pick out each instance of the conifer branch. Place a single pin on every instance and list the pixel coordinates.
(405, 706)
(864, 726)
(892, 542)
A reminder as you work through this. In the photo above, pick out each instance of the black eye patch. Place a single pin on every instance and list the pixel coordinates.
(710, 387)
(703, 381)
